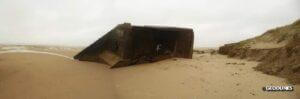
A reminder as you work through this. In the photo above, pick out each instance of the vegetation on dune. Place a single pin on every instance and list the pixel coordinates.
(282, 60)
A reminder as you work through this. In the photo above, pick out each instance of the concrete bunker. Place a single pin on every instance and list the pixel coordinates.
(127, 44)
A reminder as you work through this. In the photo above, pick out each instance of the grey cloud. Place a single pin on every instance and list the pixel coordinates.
(80, 22)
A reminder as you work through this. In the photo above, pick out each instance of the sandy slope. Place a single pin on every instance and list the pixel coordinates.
(43, 76)
(277, 49)
(38, 76)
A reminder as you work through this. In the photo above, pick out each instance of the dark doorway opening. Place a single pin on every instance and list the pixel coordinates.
(153, 44)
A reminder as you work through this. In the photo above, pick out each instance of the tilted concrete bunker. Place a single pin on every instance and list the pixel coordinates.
(127, 44)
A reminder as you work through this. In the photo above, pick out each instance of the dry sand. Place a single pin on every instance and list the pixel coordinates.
(206, 76)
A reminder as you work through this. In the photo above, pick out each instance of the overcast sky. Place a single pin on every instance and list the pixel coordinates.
(81, 22)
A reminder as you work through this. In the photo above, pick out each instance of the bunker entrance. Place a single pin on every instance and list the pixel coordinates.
(153, 44)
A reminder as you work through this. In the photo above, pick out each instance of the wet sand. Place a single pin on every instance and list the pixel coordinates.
(206, 76)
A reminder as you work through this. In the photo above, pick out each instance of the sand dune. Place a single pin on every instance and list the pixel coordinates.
(206, 76)
(277, 49)
(40, 76)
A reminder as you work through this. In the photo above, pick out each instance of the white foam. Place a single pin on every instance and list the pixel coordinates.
(31, 51)
(59, 48)
(14, 48)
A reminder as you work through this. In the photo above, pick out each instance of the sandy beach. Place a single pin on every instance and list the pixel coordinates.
(28, 72)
